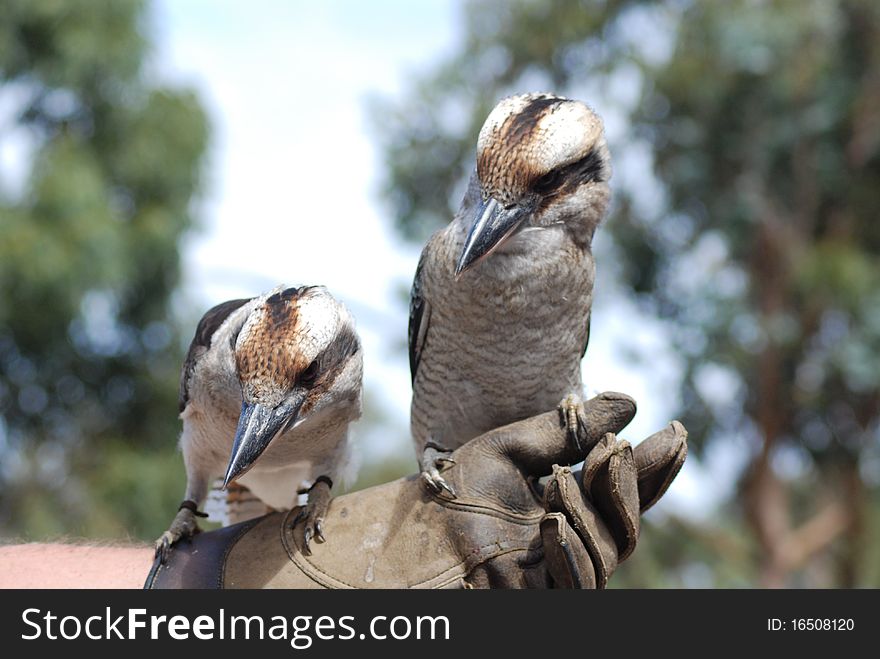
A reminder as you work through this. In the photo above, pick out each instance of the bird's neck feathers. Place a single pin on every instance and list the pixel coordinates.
(325, 426)
(580, 213)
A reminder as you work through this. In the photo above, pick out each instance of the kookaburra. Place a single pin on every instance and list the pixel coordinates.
(267, 392)
(500, 306)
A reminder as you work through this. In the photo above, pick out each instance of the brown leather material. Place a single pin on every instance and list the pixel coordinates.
(199, 562)
(497, 533)
(658, 460)
(443, 543)
(567, 559)
(610, 481)
(563, 495)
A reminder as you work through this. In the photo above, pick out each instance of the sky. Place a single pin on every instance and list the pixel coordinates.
(292, 191)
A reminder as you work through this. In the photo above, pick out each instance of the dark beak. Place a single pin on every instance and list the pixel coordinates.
(258, 425)
(492, 225)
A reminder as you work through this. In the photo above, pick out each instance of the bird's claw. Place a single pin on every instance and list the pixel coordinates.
(313, 514)
(433, 460)
(572, 413)
(183, 527)
(437, 483)
(163, 547)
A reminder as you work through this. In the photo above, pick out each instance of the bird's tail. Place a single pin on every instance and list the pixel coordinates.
(233, 505)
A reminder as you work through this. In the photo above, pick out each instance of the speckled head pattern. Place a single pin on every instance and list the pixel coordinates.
(531, 136)
(297, 337)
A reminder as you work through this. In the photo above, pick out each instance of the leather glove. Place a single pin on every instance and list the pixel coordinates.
(503, 530)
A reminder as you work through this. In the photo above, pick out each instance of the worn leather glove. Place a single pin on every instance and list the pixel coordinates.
(503, 530)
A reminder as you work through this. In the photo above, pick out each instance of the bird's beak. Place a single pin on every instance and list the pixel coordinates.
(492, 225)
(258, 425)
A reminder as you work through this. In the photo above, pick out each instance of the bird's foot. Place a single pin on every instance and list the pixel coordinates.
(183, 527)
(314, 512)
(571, 411)
(435, 458)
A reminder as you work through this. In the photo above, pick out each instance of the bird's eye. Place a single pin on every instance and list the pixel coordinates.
(308, 376)
(547, 182)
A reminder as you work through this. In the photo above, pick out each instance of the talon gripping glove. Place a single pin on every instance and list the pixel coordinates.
(521, 518)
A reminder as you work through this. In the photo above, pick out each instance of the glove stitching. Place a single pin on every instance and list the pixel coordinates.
(451, 574)
(473, 559)
(474, 508)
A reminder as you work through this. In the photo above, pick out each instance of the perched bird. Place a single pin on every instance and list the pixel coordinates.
(500, 305)
(267, 392)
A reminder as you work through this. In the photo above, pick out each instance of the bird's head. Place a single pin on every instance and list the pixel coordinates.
(296, 355)
(541, 160)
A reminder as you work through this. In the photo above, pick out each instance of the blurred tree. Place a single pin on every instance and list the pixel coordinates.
(761, 122)
(92, 207)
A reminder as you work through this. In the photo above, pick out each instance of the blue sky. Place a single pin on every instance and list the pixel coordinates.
(292, 192)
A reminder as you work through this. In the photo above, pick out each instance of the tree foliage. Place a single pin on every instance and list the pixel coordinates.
(759, 122)
(108, 162)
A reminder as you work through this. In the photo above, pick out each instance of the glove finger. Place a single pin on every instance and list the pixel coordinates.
(609, 480)
(567, 560)
(534, 445)
(563, 495)
(596, 459)
(658, 460)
